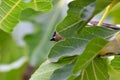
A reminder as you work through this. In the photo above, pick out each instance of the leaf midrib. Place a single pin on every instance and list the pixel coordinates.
(10, 11)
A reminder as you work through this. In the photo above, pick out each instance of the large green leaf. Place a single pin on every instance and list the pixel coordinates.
(11, 9)
(40, 5)
(96, 70)
(44, 71)
(47, 68)
(69, 47)
(95, 31)
(92, 49)
(75, 46)
(89, 32)
(63, 73)
(79, 14)
(76, 8)
(84, 60)
(9, 14)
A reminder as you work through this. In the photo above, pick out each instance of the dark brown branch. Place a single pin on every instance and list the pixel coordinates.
(94, 23)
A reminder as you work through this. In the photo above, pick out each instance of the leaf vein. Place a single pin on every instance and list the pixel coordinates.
(100, 71)
(10, 11)
(87, 75)
(94, 71)
(82, 75)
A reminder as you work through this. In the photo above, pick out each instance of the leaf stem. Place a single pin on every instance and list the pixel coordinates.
(109, 7)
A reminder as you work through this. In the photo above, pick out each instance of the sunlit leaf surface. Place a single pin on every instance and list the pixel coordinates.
(11, 9)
